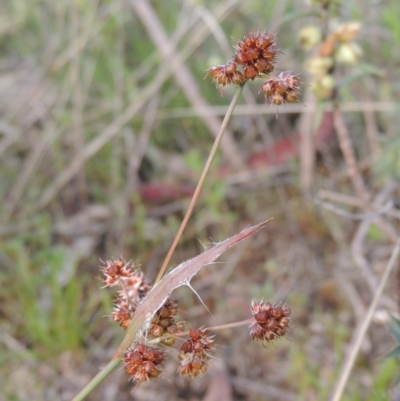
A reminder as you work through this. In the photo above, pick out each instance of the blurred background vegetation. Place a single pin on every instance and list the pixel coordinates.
(105, 123)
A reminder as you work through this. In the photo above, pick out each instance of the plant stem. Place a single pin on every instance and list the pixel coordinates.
(201, 181)
(115, 361)
(97, 380)
(349, 363)
(213, 328)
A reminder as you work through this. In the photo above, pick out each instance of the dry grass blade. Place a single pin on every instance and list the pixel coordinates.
(360, 334)
(181, 275)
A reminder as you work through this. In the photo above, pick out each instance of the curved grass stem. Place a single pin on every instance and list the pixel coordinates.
(97, 380)
(196, 194)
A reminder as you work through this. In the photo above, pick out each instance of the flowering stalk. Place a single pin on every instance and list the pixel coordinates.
(196, 194)
(149, 310)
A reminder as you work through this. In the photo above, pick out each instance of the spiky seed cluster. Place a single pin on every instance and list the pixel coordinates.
(123, 312)
(133, 288)
(256, 52)
(164, 322)
(270, 321)
(194, 353)
(226, 74)
(142, 362)
(116, 270)
(283, 88)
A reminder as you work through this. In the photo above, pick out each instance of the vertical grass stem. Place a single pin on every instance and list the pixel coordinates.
(196, 194)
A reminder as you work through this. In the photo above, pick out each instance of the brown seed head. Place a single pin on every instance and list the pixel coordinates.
(191, 365)
(269, 321)
(164, 322)
(250, 72)
(115, 270)
(199, 343)
(141, 362)
(283, 88)
(226, 74)
(256, 49)
(123, 312)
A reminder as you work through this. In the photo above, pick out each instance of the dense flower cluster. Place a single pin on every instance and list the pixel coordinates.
(141, 362)
(226, 74)
(255, 54)
(269, 321)
(283, 88)
(133, 288)
(194, 353)
(164, 322)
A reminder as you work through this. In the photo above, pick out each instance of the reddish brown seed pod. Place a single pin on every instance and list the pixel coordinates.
(250, 72)
(281, 87)
(238, 78)
(271, 324)
(158, 356)
(149, 366)
(256, 331)
(276, 312)
(141, 362)
(156, 331)
(198, 346)
(249, 40)
(264, 40)
(269, 321)
(140, 376)
(191, 366)
(284, 322)
(117, 269)
(215, 71)
(164, 312)
(194, 334)
(187, 346)
(230, 68)
(133, 358)
(279, 331)
(140, 348)
(149, 354)
(264, 66)
(241, 58)
(277, 99)
(164, 323)
(262, 317)
(269, 53)
(284, 87)
(252, 54)
(268, 87)
(291, 97)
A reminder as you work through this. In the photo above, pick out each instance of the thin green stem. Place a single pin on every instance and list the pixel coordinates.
(196, 194)
(97, 379)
